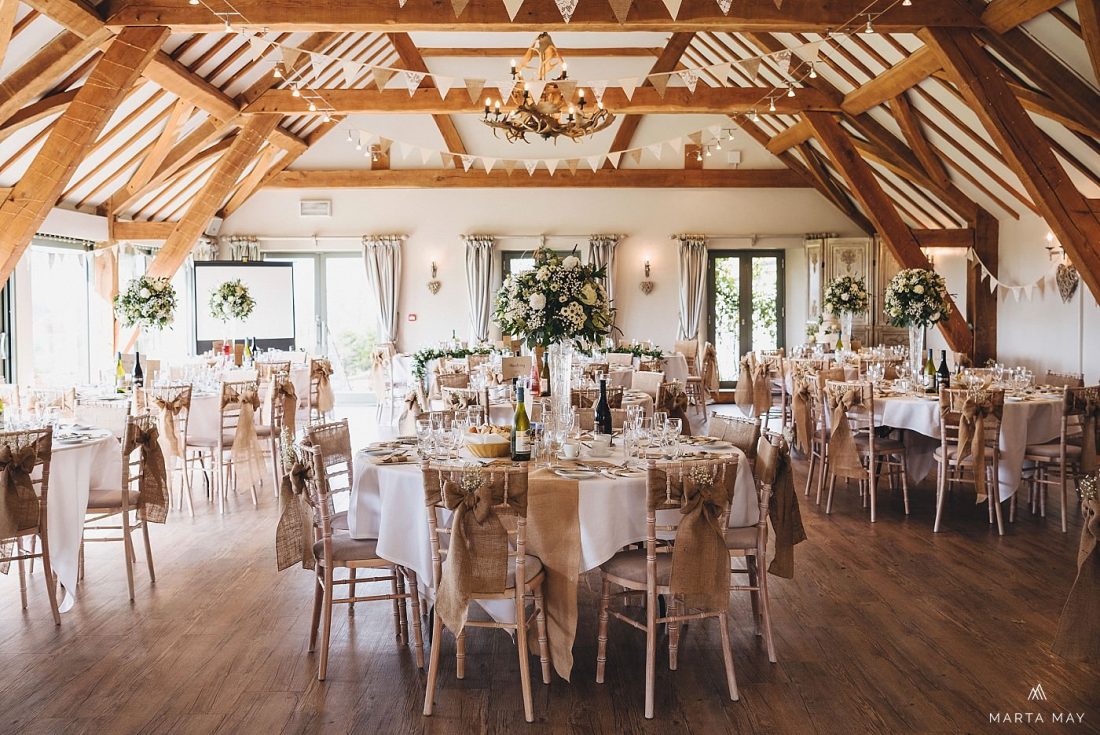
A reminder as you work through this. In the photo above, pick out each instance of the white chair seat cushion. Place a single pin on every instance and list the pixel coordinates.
(953, 452)
(110, 498)
(346, 548)
(1053, 451)
(630, 565)
(741, 538)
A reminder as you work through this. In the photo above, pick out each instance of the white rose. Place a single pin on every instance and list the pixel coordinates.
(918, 288)
(537, 301)
(570, 262)
(935, 317)
(144, 293)
(588, 294)
(845, 296)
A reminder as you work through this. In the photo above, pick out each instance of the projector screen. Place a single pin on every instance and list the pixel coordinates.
(270, 284)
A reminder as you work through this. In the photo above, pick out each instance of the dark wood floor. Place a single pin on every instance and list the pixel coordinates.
(886, 628)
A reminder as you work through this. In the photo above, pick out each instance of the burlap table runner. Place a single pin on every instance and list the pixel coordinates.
(1078, 636)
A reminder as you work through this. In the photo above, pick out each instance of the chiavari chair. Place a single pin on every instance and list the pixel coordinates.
(588, 397)
(276, 410)
(334, 548)
(696, 391)
(28, 453)
(1063, 456)
(742, 432)
(320, 372)
(852, 403)
(648, 382)
(173, 404)
(110, 415)
(105, 504)
(707, 486)
(503, 491)
(267, 369)
(1064, 380)
(219, 448)
(751, 542)
(954, 456)
(619, 359)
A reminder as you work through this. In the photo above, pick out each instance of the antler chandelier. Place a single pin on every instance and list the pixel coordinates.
(541, 106)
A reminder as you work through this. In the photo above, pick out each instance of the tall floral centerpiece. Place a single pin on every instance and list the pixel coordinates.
(845, 297)
(916, 298)
(231, 302)
(558, 304)
(149, 303)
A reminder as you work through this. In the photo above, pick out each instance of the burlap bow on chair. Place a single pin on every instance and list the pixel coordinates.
(700, 559)
(674, 401)
(477, 558)
(321, 371)
(800, 412)
(173, 445)
(294, 534)
(153, 483)
(19, 507)
(843, 454)
(248, 456)
(752, 387)
(1078, 637)
(785, 516)
(972, 440)
(710, 372)
(287, 394)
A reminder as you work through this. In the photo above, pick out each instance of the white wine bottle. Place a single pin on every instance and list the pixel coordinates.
(521, 431)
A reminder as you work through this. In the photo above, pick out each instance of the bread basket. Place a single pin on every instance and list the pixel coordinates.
(488, 446)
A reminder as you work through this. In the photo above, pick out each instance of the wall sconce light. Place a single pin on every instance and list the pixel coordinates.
(647, 285)
(434, 284)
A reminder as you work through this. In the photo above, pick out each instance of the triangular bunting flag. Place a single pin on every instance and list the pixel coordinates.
(621, 8)
(1028, 292)
(992, 282)
(673, 7)
(811, 51)
(677, 145)
(351, 71)
(655, 149)
(690, 78)
(724, 6)
(783, 59)
(552, 165)
(509, 165)
(1016, 291)
(598, 88)
(628, 85)
(594, 162)
(614, 158)
(381, 76)
(256, 47)
(402, 149)
(530, 164)
(567, 87)
(566, 8)
(426, 155)
(696, 137)
(512, 6)
(721, 72)
(778, 4)
(535, 87)
(317, 61)
(401, 3)
(443, 85)
(290, 57)
(413, 80)
(634, 155)
(459, 6)
(505, 88)
(467, 161)
(1041, 284)
(660, 83)
(752, 68)
(572, 164)
(473, 88)
(489, 163)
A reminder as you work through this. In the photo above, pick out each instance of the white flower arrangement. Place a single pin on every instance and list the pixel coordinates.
(146, 302)
(917, 297)
(846, 295)
(559, 300)
(231, 300)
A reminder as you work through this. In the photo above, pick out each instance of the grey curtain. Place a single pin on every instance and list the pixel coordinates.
(693, 283)
(601, 253)
(479, 284)
(382, 254)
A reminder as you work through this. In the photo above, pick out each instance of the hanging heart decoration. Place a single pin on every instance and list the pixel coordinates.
(433, 286)
(1067, 279)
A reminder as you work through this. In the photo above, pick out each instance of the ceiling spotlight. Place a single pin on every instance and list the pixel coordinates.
(192, 2)
(906, 3)
(294, 92)
(771, 104)
(228, 27)
(325, 117)
(729, 135)
(698, 155)
(718, 143)
(278, 73)
(790, 89)
(358, 145)
(868, 28)
(813, 71)
(755, 117)
(708, 152)
(312, 107)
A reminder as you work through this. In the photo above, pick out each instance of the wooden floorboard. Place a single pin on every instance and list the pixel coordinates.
(886, 628)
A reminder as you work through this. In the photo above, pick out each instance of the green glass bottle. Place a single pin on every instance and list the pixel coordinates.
(521, 431)
(930, 376)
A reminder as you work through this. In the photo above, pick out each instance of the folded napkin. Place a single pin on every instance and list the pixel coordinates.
(397, 458)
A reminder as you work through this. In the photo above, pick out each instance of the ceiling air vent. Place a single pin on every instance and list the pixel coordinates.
(315, 207)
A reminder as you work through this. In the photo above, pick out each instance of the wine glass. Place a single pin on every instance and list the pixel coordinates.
(673, 428)
(424, 437)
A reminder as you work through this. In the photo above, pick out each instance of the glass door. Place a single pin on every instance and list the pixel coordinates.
(746, 306)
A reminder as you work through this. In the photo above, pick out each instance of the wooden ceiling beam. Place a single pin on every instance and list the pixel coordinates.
(914, 69)
(316, 42)
(1002, 15)
(666, 62)
(123, 230)
(490, 15)
(413, 61)
(1089, 14)
(251, 182)
(39, 73)
(646, 101)
(70, 137)
(515, 52)
(792, 136)
(864, 185)
(1025, 148)
(158, 152)
(8, 9)
(623, 178)
(914, 134)
(832, 190)
(958, 237)
(1050, 108)
(54, 104)
(227, 171)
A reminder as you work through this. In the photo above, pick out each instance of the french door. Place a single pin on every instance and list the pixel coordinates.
(746, 308)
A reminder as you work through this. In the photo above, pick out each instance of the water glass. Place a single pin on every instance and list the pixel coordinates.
(424, 437)
(673, 428)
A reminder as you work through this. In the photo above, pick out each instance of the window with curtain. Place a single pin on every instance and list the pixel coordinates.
(60, 313)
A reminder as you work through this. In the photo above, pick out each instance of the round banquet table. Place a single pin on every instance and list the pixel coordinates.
(204, 420)
(387, 503)
(76, 469)
(1024, 422)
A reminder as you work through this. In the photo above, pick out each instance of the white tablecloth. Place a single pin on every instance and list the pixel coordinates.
(204, 420)
(74, 471)
(675, 368)
(1023, 423)
(387, 503)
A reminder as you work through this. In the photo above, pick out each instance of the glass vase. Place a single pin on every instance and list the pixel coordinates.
(560, 360)
(846, 331)
(916, 348)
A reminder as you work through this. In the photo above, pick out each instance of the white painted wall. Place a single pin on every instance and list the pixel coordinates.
(434, 220)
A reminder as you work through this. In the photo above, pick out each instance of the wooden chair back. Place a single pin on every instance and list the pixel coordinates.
(619, 359)
(952, 404)
(266, 369)
(742, 432)
(110, 415)
(587, 397)
(647, 382)
(330, 444)
(1065, 380)
(231, 404)
(861, 415)
(170, 394)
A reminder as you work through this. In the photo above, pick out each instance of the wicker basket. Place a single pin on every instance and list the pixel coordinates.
(489, 447)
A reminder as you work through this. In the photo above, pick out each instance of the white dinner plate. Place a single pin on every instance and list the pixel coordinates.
(575, 474)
